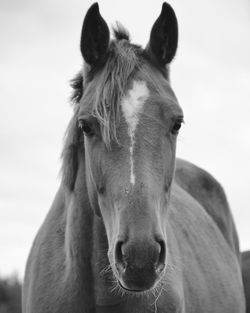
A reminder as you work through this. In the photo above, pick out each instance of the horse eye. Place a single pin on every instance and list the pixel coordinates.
(85, 127)
(176, 127)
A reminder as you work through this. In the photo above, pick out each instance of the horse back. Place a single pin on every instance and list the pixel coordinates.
(205, 189)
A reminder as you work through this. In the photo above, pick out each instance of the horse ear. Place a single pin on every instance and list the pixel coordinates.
(94, 37)
(164, 36)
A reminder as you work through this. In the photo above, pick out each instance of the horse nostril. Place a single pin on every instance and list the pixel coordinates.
(119, 260)
(162, 256)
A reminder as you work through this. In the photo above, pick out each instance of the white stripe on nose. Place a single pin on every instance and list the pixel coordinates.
(132, 105)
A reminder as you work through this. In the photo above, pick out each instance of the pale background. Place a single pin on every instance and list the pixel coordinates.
(39, 54)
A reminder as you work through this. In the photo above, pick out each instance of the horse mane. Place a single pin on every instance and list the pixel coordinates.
(70, 153)
(77, 85)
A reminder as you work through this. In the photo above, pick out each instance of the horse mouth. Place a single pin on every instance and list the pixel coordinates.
(133, 290)
(139, 280)
(139, 285)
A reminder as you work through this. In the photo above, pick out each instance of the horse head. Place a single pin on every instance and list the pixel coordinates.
(128, 119)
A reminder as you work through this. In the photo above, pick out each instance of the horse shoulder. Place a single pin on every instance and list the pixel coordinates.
(46, 261)
(209, 267)
(203, 187)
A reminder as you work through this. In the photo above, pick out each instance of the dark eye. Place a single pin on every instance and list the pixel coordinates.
(176, 127)
(85, 126)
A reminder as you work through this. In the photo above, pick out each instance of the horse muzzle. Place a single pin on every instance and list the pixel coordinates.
(140, 264)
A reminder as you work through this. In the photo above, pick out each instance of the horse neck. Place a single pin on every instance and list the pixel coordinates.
(86, 245)
(79, 224)
(79, 279)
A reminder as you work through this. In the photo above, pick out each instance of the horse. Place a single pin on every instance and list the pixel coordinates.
(246, 277)
(132, 228)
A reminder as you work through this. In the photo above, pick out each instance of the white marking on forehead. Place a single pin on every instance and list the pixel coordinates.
(132, 175)
(132, 105)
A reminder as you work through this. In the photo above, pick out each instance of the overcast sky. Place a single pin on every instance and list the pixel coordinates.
(39, 54)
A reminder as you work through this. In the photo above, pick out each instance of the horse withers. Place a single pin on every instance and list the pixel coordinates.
(132, 228)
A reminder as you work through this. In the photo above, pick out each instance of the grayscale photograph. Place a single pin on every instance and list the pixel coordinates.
(125, 156)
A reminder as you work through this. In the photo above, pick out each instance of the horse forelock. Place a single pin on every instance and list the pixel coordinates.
(120, 32)
(105, 90)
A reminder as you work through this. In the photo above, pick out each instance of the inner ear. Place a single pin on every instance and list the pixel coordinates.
(95, 37)
(163, 41)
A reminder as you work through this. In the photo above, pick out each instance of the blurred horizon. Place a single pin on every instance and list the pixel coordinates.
(39, 55)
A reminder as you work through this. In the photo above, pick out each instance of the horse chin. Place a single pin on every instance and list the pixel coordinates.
(137, 289)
